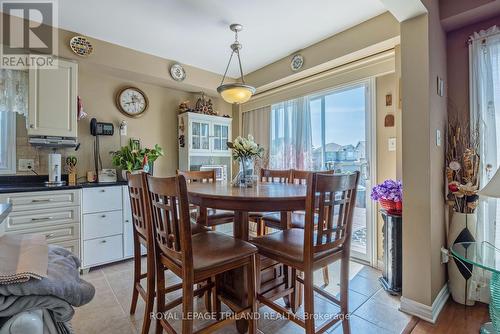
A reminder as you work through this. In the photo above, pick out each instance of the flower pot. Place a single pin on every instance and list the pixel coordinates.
(391, 206)
(462, 229)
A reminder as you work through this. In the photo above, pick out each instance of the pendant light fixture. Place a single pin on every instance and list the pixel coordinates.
(237, 92)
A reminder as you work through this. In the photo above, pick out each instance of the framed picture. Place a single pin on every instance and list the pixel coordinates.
(388, 100)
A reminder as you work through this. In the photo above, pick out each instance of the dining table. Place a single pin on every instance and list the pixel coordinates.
(260, 198)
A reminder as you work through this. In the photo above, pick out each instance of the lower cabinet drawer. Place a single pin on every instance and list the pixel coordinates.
(102, 250)
(102, 224)
(54, 234)
(22, 220)
(72, 245)
(128, 241)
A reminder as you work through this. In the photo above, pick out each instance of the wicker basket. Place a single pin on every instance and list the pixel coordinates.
(391, 206)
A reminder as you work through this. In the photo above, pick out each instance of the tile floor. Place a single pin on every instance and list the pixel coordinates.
(372, 309)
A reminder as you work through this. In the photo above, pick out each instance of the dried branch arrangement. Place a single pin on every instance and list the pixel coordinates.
(462, 166)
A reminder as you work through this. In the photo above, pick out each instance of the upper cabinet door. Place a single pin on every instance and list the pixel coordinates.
(200, 136)
(221, 137)
(53, 101)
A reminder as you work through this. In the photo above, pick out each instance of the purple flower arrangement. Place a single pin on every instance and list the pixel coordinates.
(389, 190)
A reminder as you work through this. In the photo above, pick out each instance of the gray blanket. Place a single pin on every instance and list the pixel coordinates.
(63, 280)
(56, 293)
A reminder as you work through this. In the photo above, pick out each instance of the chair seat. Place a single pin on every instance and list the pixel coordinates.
(212, 249)
(287, 244)
(273, 219)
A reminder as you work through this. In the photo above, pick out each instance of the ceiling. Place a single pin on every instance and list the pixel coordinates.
(196, 32)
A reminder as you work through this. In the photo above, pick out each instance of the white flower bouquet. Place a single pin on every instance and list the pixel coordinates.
(245, 148)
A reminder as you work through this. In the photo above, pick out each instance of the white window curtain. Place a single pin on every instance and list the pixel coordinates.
(291, 135)
(258, 124)
(14, 91)
(484, 81)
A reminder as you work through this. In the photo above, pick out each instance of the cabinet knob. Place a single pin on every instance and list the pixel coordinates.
(103, 190)
(103, 216)
(103, 241)
(32, 126)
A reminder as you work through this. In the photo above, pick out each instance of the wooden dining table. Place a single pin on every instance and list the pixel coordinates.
(262, 197)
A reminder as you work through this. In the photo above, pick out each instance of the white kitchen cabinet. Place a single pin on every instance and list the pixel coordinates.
(52, 109)
(55, 214)
(100, 199)
(102, 250)
(203, 141)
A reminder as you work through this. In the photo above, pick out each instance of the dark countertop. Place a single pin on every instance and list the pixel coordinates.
(16, 184)
(5, 209)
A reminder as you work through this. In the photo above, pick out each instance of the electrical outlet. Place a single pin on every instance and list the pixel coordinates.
(26, 165)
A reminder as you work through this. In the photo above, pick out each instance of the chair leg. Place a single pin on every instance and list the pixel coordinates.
(293, 296)
(287, 298)
(187, 306)
(326, 276)
(150, 300)
(160, 297)
(137, 274)
(344, 293)
(309, 301)
(216, 300)
(252, 298)
(208, 297)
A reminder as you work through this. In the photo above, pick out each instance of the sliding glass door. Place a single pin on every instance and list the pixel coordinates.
(331, 130)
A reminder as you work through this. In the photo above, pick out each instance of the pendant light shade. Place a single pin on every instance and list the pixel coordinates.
(237, 92)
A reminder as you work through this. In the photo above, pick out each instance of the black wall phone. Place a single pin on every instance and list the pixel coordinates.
(99, 129)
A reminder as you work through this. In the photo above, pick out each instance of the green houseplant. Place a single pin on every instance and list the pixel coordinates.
(132, 157)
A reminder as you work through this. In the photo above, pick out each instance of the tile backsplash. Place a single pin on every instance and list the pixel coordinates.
(24, 150)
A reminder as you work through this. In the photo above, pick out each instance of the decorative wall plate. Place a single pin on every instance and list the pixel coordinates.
(81, 46)
(177, 72)
(297, 62)
(132, 101)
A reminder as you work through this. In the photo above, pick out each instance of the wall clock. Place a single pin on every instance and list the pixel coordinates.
(297, 62)
(177, 72)
(132, 101)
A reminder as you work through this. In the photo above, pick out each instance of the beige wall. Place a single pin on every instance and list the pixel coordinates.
(386, 160)
(157, 126)
(375, 35)
(423, 58)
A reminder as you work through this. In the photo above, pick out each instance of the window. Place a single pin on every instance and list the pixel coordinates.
(321, 131)
(7, 142)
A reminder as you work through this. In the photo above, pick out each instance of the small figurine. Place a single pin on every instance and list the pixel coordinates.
(184, 107)
(204, 106)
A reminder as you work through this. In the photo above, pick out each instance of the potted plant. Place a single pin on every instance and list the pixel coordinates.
(390, 196)
(132, 158)
(462, 177)
(245, 150)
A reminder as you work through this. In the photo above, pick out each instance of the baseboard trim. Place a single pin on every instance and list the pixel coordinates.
(426, 312)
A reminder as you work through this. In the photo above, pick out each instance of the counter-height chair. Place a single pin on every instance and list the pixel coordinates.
(194, 258)
(143, 236)
(206, 216)
(333, 198)
(297, 218)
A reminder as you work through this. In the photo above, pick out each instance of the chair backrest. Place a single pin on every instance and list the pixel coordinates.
(140, 206)
(301, 176)
(202, 176)
(170, 213)
(275, 175)
(333, 197)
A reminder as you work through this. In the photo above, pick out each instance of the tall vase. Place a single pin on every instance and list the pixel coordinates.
(246, 172)
(462, 229)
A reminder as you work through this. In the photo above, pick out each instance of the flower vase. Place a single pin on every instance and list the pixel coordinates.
(462, 229)
(246, 172)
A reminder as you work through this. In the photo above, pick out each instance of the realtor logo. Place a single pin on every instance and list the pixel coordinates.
(29, 34)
